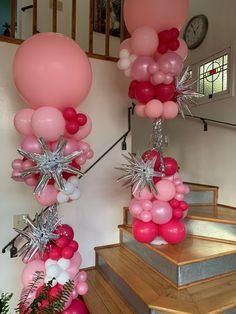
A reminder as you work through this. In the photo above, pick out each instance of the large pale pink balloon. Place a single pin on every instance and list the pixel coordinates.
(161, 212)
(170, 110)
(171, 63)
(51, 69)
(166, 190)
(29, 272)
(144, 41)
(158, 14)
(48, 122)
(48, 196)
(22, 121)
(139, 69)
(143, 195)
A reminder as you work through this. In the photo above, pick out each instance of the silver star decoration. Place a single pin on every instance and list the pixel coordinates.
(39, 233)
(50, 165)
(139, 173)
(186, 96)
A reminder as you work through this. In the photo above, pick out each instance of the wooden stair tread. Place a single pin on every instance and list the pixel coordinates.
(102, 297)
(209, 297)
(213, 213)
(191, 250)
(201, 187)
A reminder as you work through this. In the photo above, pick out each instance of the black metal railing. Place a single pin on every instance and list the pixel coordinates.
(212, 121)
(11, 244)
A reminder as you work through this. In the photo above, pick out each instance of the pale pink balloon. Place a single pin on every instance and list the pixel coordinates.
(70, 147)
(153, 67)
(170, 110)
(144, 41)
(31, 181)
(77, 258)
(17, 164)
(49, 123)
(182, 51)
(145, 194)
(140, 110)
(28, 164)
(74, 294)
(73, 269)
(135, 208)
(85, 147)
(82, 288)
(29, 272)
(179, 196)
(125, 45)
(145, 216)
(146, 205)
(187, 189)
(165, 190)
(158, 78)
(31, 144)
(30, 296)
(84, 131)
(158, 14)
(90, 154)
(81, 160)
(139, 69)
(161, 212)
(171, 63)
(177, 181)
(22, 121)
(168, 79)
(48, 196)
(16, 176)
(51, 69)
(180, 188)
(154, 109)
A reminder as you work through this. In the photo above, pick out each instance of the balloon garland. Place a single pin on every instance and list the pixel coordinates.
(154, 59)
(53, 75)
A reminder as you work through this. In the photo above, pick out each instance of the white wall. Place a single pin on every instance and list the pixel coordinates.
(96, 215)
(204, 157)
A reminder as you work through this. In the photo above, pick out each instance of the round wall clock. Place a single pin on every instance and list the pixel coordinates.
(196, 31)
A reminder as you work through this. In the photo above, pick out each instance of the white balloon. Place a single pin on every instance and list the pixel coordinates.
(53, 271)
(69, 188)
(49, 262)
(63, 278)
(63, 263)
(62, 197)
(76, 195)
(74, 180)
(124, 64)
(124, 54)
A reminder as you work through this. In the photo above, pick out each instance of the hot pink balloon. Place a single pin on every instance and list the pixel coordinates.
(22, 121)
(139, 69)
(161, 212)
(182, 51)
(154, 109)
(31, 144)
(171, 63)
(144, 41)
(165, 190)
(170, 110)
(48, 196)
(49, 123)
(158, 14)
(51, 69)
(77, 307)
(84, 130)
(140, 110)
(29, 272)
(143, 195)
(173, 232)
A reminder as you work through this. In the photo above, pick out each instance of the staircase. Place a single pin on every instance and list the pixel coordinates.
(196, 276)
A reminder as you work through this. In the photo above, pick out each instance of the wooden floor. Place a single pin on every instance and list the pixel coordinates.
(209, 297)
(102, 298)
(212, 213)
(191, 250)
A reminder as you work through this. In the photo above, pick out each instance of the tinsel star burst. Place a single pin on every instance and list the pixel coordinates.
(139, 173)
(186, 96)
(50, 164)
(39, 232)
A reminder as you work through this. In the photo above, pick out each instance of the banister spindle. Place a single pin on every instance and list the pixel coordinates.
(54, 16)
(13, 17)
(107, 41)
(73, 20)
(35, 16)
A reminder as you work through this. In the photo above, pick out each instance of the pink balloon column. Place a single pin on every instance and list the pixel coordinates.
(53, 75)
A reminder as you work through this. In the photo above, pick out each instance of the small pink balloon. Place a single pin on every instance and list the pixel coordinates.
(28, 164)
(73, 269)
(84, 130)
(29, 272)
(70, 147)
(90, 154)
(30, 296)
(82, 276)
(31, 181)
(139, 69)
(135, 208)
(161, 212)
(146, 205)
(82, 288)
(85, 147)
(30, 144)
(179, 197)
(144, 41)
(145, 216)
(187, 189)
(158, 78)
(48, 196)
(22, 121)
(180, 188)
(17, 164)
(165, 190)
(49, 123)
(16, 176)
(77, 259)
(154, 109)
(153, 67)
(177, 181)
(143, 195)
(171, 63)
(81, 160)
(170, 178)
(170, 110)
(168, 79)
(140, 110)
(74, 294)
(182, 51)
(125, 45)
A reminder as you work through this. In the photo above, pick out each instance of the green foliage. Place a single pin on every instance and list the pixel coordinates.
(4, 302)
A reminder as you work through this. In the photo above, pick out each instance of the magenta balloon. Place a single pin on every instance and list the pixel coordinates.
(171, 63)
(22, 121)
(29, 272)
(31, 144)
(161, 212)
(144, 232)
(158, 14)
(49, 123)
(173, 232)
(51, 69)
(139, 69)
(165, 190)
(77, 307)
(144, 41)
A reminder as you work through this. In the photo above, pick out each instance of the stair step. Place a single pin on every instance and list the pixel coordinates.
(187, 263)
(216, 222)
(148, 292)
(102, 297)
(201, 194)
